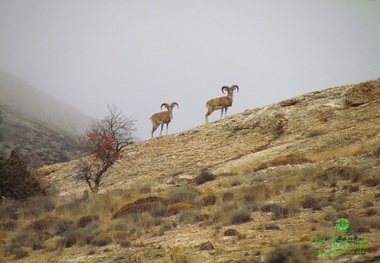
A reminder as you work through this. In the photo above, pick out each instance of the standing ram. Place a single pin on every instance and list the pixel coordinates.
(221, 103)
(160, 118)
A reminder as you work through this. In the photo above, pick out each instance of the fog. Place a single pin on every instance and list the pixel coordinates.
(139, 54)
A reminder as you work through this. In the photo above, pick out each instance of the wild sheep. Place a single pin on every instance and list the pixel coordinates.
(221, 103)
(160, 118)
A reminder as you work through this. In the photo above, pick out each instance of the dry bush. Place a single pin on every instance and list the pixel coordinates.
(204, 177)
(159, 211)
(228, 196)
(101, 240)
(177, 207)
(376, 152)
(293, 158)
(367, 204)
(371, 212)
(291, 253)
(139, 206)
(187, 217)
(338, 173)
(240, 216)
(359, 224)
(278, 211)
(209, 200)
(85, 220)
(372, 181)
(311, 201)
(35, 206)
(257, 193)
(182, 195)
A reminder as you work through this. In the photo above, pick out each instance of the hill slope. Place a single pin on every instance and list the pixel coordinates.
(322, 126)
(41, 128)
(284, 174)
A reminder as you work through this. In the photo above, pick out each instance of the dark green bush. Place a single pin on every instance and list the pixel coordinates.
(16, 181)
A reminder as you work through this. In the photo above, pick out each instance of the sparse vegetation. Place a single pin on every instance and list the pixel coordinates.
(145, 216)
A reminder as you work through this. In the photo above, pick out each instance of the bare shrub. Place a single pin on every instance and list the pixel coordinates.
(277, 210)
(182, 195)
(240, 216)
(85, 220)
(337, 173)
(209, 200)
(310, 201)
(187, 217)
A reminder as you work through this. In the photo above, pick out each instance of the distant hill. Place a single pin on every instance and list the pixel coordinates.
(40, 127)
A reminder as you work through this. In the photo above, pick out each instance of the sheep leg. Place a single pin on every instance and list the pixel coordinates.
(208, 114)
(167, 128)
(162, 126)
(153, 129)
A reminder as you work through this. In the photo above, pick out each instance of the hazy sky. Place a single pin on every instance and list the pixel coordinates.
(139, 54)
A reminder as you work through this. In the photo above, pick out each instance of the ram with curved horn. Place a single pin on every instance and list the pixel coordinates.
(221, 103)
(160, 118)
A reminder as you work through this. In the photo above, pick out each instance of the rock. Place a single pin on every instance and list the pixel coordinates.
(206, 246)
(362, 93)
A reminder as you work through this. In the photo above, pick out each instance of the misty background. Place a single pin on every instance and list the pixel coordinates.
(139, 54)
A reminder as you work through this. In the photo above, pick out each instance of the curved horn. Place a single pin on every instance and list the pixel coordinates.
(225, 87)
(233, 87)
(166, 105)
(173, 104)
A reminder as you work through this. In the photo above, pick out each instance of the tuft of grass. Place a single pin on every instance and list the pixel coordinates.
(204, 177)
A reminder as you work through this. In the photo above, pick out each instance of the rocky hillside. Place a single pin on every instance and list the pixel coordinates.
(263, 184)
(323, 126)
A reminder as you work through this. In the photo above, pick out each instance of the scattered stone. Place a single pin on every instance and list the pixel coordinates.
(206, 246)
